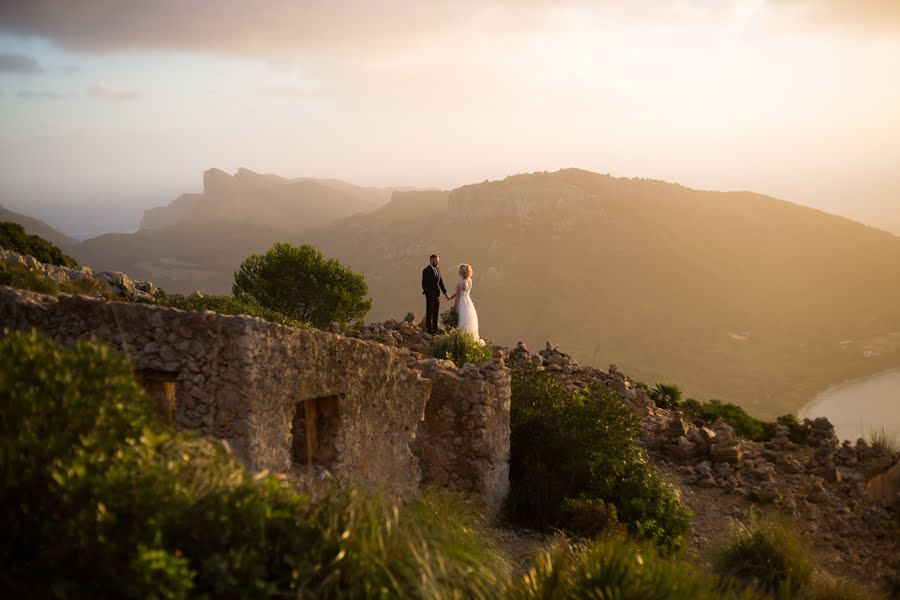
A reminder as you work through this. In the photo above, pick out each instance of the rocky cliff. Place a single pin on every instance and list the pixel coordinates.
(248, 197)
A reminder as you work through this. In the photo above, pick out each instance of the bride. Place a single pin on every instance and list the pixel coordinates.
(465, 309)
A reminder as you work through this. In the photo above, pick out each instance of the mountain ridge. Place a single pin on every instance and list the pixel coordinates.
(734, 295)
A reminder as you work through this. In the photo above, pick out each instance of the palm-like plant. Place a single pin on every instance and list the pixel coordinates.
(666, 395)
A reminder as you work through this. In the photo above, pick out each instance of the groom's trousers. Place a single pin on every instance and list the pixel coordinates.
(432, 308)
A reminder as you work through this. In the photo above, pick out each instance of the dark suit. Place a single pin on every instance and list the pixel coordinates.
(432, 286)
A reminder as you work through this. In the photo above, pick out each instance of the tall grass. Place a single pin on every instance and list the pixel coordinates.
(461, 347)
(885, 442)
(766, 553)
(23, 278)
(233, 305)
(615, 569)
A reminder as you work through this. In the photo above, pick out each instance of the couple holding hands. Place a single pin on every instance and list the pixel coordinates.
(433, 287)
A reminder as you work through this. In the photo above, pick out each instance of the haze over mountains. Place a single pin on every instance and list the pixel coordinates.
(736, 296)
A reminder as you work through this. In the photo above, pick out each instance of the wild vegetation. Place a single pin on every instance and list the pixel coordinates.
(300, 283)
(13, 237)
(23, 278)
(459, 346)
(767, 554)
(85, 459)
(232, 305)
(582, 446)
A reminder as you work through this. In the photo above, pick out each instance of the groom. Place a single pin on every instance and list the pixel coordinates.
(432, 286)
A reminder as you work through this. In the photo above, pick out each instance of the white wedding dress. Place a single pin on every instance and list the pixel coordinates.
(468, 317)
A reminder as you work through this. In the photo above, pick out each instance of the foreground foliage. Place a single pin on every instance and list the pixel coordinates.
(567, 445)
(299, 282)
(616, 569)
(99, 499)
(231, 305)
(459, 346)
(14, 237)
(767, 554)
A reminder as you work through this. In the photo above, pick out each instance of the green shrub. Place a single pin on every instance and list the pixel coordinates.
(589, 517)
(450, 319)
(302, 284)
(797, 432)
(766, 553)
(568, 445)
(99, 499)
(461, 347)
(614, 569)
(13, 237)
(230, 305)
(666, 395)
(744, 425)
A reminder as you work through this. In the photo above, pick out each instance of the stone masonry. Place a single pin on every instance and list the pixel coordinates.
(301, 400)
(463, 441)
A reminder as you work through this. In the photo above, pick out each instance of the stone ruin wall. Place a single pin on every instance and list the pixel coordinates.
(383, 416)
(463, 441)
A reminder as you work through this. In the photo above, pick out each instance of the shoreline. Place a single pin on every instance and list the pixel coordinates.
(833, 388)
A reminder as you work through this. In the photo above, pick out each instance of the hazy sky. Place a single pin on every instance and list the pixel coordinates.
(109, 107)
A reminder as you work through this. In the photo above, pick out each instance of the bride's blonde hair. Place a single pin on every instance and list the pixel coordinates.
(465, 271)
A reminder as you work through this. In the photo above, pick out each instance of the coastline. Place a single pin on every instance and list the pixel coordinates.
(833, 388)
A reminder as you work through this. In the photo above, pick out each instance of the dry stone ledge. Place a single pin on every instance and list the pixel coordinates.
(284, 399)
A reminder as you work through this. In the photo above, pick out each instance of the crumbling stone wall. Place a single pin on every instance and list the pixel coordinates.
(241, 379)
(463, 441)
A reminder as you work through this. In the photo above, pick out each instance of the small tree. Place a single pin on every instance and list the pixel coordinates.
(301, 283)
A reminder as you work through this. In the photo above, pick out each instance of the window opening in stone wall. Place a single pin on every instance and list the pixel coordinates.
(160, 386)
(314, 432)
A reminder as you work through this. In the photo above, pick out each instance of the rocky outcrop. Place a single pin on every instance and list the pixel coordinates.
(119, 285)
(265, 200)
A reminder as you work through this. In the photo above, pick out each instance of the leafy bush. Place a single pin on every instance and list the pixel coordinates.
(570, 445)
(23, 278)
(797, 432)
(744, 425)
(99, 499)
(614, 569)
(302, 284)
(230, 305)
(766, 553)
(589, 517)
(13, 237)
(459, 346)
(666, 395)
(450, 319)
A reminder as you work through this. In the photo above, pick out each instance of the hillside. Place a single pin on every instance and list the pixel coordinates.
(733, 295)
(37, 227)
(267, 200)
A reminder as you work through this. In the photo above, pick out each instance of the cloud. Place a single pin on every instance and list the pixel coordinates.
(39, 95)
(106, 91)
(69, 69)
(337, 27)
(18, 63)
